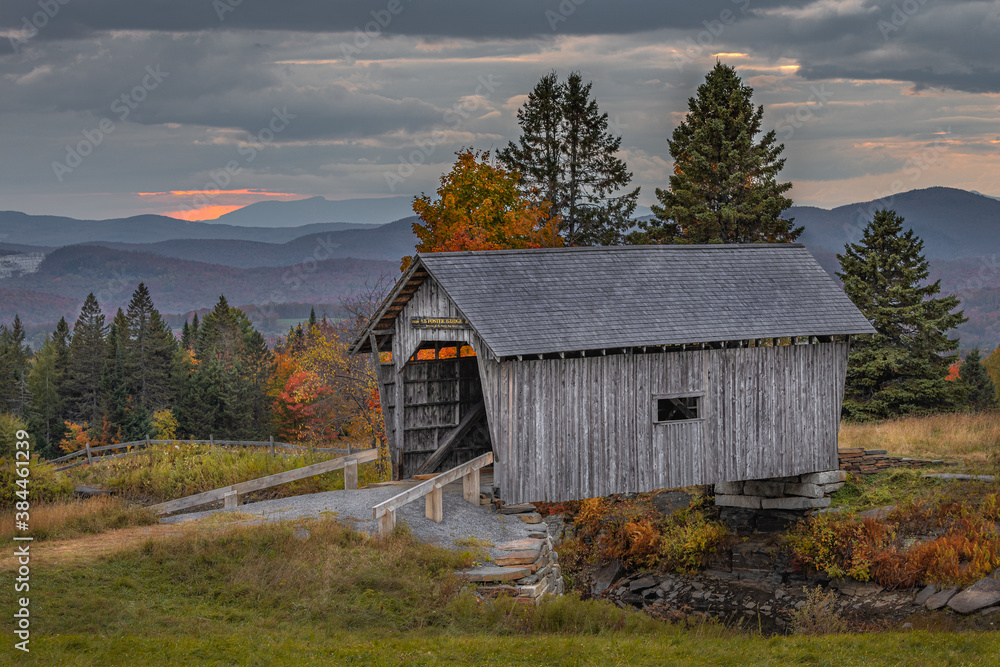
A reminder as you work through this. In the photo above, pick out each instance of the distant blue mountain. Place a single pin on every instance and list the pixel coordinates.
(317, 210)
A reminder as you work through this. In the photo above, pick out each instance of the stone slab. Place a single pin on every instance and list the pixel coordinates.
(765, 489)
(746, 502)
(642, 584)
(940, 599)
(533, 517)
(729, 488)
(526, 557)
(831, 488)
(493, 573)
(794, 503)
(523, 508)
(805, 490)
(521, 545)
(827, 477)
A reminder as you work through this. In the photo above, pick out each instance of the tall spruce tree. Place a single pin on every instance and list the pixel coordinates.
(148, 353)
(87, 352)
(981, 393)
(567, 153)
(901, 369)
(44, 385)
(14, 357)
(724, 187)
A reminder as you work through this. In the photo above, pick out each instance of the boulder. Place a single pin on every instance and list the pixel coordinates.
(940, 598)
(669, 502)
(533, 517)
(984, 593)
(606, 576)
(925, 595)
(641, 584)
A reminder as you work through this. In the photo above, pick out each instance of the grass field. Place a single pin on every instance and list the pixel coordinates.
(272, 595)
(970, 438)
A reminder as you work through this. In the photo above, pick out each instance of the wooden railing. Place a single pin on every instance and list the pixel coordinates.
(232, 495)
(432, 491)
(137, 445)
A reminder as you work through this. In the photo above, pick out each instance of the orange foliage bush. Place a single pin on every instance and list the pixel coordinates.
(947, 543)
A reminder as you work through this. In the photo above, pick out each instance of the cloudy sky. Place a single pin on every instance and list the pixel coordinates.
(111, 108)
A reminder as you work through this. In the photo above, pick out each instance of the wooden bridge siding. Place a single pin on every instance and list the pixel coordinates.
(553, 444)
(429, 300)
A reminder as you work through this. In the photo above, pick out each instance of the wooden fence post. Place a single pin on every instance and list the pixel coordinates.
(271, 440)
(434, 505)
(90, 460)
(147, 441)
(211, 440)
(470, 486)
(351, 476)
(387, 523)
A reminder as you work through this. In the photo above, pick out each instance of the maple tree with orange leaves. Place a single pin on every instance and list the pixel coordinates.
(480, 206)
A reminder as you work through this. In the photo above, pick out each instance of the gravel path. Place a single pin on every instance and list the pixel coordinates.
(461, 520)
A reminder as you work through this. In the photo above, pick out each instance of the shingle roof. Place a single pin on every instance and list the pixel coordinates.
(569, 299)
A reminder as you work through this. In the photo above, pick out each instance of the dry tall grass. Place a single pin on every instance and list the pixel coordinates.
(74, 518)
(972, 438)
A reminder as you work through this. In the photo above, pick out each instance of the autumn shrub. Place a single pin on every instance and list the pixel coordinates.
(44, 483)
(944, 542)
(636, 533)
(818, 616)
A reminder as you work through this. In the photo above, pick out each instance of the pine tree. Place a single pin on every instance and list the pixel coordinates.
(187, 340)
(87, 352)
(148, 352)
(312, 318)
(44, 384)
(981, 393)
(14, 356)
(724, 188)
(568, 155)
(900, 369)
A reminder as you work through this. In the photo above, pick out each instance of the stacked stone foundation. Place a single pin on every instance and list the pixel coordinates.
(799, 492)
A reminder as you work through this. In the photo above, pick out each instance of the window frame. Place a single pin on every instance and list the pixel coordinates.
(700, 395)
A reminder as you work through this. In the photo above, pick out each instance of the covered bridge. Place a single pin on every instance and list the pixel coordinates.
(592, 371)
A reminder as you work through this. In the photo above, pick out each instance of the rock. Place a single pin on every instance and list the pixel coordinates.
(301, 534)
(523, 508)
(804, 490)
(526, 557)
(606, 576)
(642, 584)
(503, 590)
(828, 477)
(739, 520)
(924, 595)
(746, 502)
(669, 502)
(794, 503)
(729, 488)
(856, 588)
(533, 517)
(907, 626)
(831, 488)
(984, 593)
(940, 598)
(493, 573)
(765, 489)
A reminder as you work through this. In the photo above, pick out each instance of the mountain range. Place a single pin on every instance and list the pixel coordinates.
(302, 258)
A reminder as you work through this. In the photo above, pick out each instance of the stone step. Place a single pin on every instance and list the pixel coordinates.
(486, 573)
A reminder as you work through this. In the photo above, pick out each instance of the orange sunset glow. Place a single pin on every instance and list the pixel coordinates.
(195, 205)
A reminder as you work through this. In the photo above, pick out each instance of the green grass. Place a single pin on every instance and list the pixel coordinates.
(260, 595)
(75, 518)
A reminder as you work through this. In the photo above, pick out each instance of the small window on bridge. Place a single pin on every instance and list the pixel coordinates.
(678, 408)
